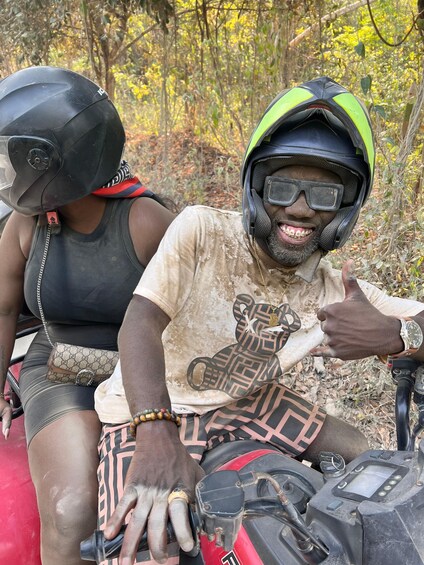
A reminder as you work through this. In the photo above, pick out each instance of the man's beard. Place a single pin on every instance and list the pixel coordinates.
(291, 255)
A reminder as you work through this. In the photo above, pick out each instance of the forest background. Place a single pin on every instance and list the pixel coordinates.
(192, 77)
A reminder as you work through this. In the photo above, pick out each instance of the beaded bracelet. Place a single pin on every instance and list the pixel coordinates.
(151, 415)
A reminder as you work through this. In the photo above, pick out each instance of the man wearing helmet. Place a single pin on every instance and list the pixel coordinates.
(229, 304)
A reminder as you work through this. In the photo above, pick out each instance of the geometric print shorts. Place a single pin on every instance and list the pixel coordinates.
(274, 415)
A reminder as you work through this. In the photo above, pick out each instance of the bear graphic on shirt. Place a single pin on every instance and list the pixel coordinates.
(241, 368)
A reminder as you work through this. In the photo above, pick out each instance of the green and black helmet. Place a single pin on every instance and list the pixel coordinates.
(60, 138)
(317, 123)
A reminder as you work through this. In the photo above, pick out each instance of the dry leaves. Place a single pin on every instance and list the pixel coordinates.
(360, 392)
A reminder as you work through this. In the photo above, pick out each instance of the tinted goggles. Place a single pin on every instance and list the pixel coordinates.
(321, 196)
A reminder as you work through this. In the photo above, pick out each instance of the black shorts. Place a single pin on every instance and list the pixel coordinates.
(45, 401)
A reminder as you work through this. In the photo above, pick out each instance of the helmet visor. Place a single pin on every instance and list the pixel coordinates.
(7, 171)
(325, 196)
(27, 165)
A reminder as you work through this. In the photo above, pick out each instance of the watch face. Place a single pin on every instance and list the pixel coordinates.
(415, 334)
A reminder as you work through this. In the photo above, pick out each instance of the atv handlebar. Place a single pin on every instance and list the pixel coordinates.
(406, 373)
(97, 548)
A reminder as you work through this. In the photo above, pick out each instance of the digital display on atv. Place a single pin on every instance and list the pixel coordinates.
(370, 480)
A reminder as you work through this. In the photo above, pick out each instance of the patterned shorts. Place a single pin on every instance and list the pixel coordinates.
(274, 415)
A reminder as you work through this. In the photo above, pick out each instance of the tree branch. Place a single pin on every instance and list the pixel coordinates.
(127, 46)
(398, 181)
(327, 18)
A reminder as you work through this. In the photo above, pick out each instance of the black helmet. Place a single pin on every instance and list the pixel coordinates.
(60, 138)
(318, 123)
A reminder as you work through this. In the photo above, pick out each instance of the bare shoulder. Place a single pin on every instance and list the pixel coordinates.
(18, 232)
(145, 206)
(15, 245)
(148, 221)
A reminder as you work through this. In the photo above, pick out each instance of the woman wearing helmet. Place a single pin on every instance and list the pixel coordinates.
(233, 299)
(73, 250)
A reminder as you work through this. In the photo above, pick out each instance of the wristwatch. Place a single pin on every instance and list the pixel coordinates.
(412, 337)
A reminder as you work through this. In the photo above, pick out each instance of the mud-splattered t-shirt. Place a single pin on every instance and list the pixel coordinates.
(237, 322)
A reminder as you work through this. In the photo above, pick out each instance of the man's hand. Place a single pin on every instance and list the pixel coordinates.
(6, 417)
(160, 464)
(354, 328)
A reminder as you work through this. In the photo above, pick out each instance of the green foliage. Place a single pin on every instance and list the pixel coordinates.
(360, 49)
(29, 27)
(366, 84)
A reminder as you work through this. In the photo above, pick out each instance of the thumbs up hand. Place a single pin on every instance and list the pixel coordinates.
(351, 287)
(354, 328)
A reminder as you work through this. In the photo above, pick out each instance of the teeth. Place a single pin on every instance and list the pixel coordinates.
(296, 233)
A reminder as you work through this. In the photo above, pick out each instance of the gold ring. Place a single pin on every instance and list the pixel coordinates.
(178, 493)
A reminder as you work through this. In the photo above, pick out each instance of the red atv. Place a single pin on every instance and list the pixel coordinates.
(20, 540)
(256, 505)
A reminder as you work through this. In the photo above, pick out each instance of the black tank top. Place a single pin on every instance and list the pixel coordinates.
(88, 280)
